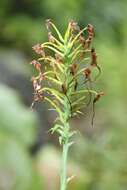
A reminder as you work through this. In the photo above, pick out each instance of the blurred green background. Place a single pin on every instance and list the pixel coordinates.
(29, 155)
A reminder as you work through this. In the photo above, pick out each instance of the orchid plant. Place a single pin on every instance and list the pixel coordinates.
(64, 71)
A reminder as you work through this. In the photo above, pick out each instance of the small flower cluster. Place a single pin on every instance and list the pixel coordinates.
(64, 61)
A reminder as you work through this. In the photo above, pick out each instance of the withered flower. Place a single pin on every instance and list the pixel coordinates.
(74, 26)
(64, 88)
(48, 24)
(38, 94)
(87, 72)
(91, 34)
(82, 40)
(94, 61)
(39, 49)
(41, 77)
(93, 57)
(97, 97)
(90, 29)
(73, 68)
(58, 58)
(36, 64)
(50, 37)
(36, 85)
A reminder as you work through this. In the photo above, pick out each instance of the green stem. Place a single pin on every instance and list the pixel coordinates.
(64, 166)
(65, 140)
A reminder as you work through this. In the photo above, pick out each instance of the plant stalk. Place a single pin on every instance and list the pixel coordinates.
(64, 166)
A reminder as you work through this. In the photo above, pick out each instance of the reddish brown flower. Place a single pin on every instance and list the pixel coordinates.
(64, 88)
(82, 40)
(87, 72)
(59, 59)
(90, 30)
(36, 85)
(93, 57)
(74, 25)
(41, 77)
(38, 97)
(38, 49)
(94, 61)
(50, 37)
(73, 68)
(36, 64)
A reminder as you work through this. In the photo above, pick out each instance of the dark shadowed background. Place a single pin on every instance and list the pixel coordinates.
(29, 155)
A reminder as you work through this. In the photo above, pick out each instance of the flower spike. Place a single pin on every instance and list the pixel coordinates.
(66, 81)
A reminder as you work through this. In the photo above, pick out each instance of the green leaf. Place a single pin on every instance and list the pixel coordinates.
(83, 91)
(56, 93)
(78, 107)
(75, 50)
(56, 108)
(55, 128)
(79, 100)
(77, 36)
(58, 33)
(60, 140)
(54, 45)
(67, 34)
(53, 80)
(53, 49)
(72, 133)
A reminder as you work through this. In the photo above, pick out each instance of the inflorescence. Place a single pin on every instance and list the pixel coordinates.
(65, 69)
